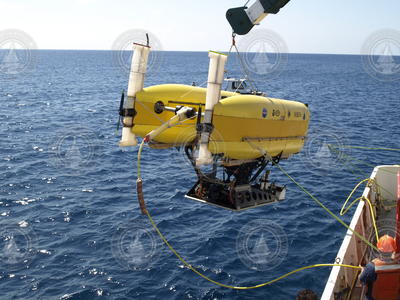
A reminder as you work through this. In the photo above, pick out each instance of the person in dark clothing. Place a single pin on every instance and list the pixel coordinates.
(387, 247)
(368, 277)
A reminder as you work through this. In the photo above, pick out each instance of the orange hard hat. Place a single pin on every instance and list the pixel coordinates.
(386, 244)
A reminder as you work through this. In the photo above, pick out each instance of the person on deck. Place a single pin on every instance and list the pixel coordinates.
(388, 256)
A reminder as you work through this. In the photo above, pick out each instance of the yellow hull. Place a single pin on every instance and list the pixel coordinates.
(243, 124)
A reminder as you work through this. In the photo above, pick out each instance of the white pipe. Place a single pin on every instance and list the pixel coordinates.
(183, 114)
(213, 95)
(136, 84)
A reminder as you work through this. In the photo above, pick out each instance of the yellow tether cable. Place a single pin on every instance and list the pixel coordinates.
(139, 158)
(365, 148)
(337, 150)
(327, 209)
(345, 209)
(216, 282)
(239, 287)
(378, 186)
(264, 153)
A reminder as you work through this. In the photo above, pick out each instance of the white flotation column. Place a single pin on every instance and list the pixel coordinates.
(136, 84)
(213, 95)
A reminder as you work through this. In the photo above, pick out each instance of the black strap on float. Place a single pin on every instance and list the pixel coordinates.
(124, 112)
(128, 112)
(121, 107)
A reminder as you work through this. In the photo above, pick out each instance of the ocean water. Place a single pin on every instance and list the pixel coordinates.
(68, 199)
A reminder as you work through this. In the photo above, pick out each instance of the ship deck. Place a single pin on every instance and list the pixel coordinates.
(343, 283)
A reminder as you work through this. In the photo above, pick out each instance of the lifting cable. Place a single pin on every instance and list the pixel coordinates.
(241, 62)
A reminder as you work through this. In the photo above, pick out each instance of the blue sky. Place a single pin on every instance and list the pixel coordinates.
(307, 26)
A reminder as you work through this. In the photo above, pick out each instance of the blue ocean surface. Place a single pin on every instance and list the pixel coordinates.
(68, 197)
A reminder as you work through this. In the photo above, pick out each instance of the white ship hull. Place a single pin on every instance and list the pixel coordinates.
(343, 283)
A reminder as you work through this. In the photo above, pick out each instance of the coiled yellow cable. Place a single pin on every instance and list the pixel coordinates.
(345, 209)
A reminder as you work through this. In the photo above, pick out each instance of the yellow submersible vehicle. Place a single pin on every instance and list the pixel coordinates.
(235, 132)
